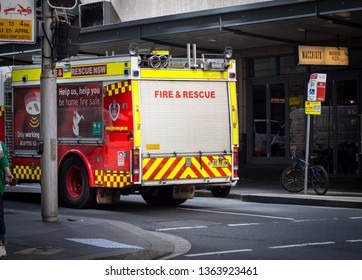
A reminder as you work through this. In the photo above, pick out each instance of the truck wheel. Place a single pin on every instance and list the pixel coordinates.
(74, 184)
(221, 191)
(161, 197)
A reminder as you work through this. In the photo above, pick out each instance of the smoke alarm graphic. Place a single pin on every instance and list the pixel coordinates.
(32, 107)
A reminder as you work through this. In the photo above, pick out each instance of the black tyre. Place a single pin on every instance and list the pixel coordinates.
(292, 179)
(320, 179)
(221, 191)
(161, 197)
(74, 184)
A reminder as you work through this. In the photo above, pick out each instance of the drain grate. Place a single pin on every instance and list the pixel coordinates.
(103, 243)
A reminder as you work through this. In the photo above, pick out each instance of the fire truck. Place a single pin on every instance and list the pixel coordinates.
(142, 123)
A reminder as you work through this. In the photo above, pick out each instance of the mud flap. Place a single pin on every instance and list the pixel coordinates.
(108, 196)
(183, 192)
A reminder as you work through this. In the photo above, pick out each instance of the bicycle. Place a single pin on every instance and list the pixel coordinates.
(293, 177)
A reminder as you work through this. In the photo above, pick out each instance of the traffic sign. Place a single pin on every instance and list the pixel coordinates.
(17, 21)
(317, 87)
(313, 108)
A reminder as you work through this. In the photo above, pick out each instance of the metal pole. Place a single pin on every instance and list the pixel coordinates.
(48, 126)
(306, 155)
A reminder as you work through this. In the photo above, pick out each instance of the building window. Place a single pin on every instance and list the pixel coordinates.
(288, 66)
(264, 67)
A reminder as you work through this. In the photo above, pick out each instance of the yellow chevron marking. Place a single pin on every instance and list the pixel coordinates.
(177, 168)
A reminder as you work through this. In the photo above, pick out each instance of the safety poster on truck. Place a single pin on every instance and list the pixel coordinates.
(80, 110)
(27, 118)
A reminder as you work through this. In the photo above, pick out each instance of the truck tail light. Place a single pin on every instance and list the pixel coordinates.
(236, 162)
(136, 165)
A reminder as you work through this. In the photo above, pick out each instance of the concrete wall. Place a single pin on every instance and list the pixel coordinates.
(140, 9)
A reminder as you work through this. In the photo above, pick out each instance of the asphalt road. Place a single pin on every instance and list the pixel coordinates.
(230, 229)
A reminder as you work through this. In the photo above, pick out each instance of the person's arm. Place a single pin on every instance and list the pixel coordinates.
(4, 162)
(8, 172)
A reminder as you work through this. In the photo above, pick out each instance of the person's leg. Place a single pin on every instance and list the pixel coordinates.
(2, 228)
(2, 219)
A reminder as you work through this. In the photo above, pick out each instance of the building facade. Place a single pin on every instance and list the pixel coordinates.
(276, 91)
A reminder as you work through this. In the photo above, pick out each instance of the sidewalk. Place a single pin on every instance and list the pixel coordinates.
(81, 238)
(340, 193)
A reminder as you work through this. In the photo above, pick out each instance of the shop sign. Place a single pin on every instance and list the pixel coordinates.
(319, 55)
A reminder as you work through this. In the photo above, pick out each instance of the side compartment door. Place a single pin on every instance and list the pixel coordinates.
(118, 131)
(26, 125)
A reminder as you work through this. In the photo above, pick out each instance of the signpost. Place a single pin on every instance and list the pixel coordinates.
(17, 21)
(48, 124)
(316, 95)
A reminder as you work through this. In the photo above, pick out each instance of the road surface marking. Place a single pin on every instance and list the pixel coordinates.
(245, 224)
(309, 220)
(103, 243)
(218, 253)
(178, 228)
(238, 214)
(356, 240)
(48, 250)
(302, 245)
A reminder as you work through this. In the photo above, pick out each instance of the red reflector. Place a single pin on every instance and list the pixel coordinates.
(136, 178)
(136, 165)
(232, 75)
(236, 161)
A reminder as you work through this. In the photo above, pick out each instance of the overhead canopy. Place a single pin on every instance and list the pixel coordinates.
(264, 24)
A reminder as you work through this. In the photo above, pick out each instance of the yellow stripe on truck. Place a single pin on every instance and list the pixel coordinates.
(180, 74)
(31, 74)
(136, 113)
(234, 114)
(77, 71)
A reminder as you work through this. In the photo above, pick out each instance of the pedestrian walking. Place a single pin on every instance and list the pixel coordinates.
(4, 173)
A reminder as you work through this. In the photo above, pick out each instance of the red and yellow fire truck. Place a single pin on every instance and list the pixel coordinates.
(145, 124)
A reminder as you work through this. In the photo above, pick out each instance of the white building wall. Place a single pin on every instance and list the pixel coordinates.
(129, 10)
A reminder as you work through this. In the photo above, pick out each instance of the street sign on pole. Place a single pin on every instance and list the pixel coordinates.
(17, 21)
(313, 108)
(316, 95)
(317, 87)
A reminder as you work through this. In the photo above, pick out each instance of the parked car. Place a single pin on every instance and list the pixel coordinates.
(277, 138)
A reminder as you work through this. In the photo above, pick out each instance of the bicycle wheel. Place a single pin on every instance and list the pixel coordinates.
(292, 179)
(320, 180)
